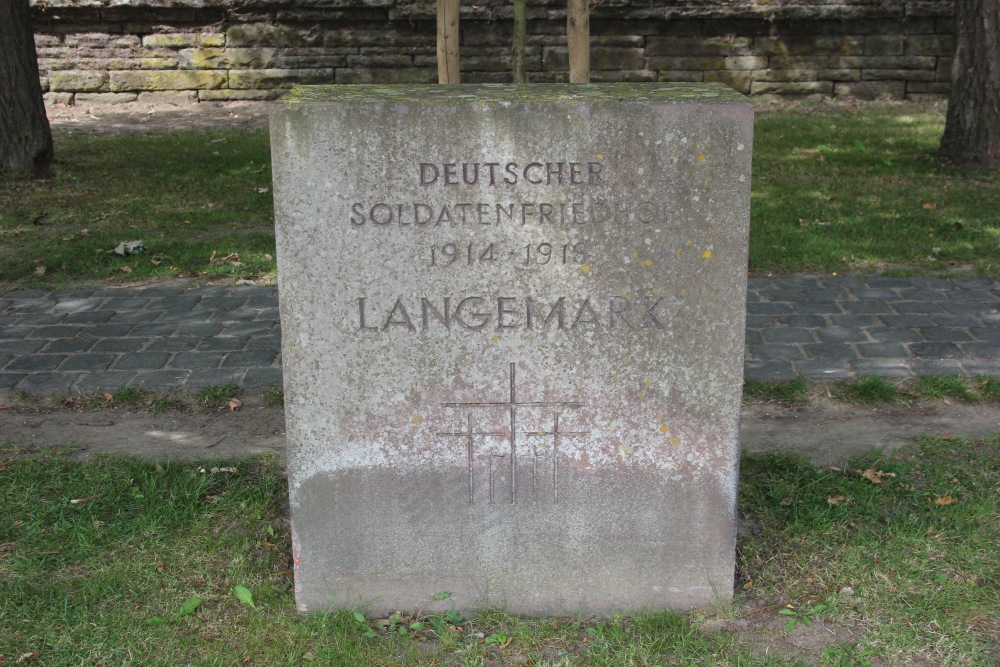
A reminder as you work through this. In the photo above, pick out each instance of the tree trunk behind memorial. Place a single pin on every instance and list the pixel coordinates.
(25, 137)
(972, 130)
(520, 40)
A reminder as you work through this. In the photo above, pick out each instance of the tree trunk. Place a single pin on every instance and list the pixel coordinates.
(578, 40)
(520, 40)
(972, 129)
(447, 41)
(25, 137)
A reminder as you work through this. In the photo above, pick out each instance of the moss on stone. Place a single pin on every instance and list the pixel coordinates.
(487, 93)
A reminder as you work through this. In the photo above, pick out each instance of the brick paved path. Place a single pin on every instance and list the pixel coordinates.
(166, 337)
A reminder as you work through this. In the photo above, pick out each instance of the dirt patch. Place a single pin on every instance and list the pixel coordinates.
(188, 433)
(829, 432)
(826, 431)
(158, 118)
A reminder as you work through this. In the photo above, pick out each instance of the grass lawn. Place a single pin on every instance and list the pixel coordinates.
(847, 190)
(890, 560)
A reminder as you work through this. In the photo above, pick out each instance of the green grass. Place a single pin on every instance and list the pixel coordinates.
(834, 190)
(186, 195)
(860, 192)
(869, 390)
(217, 397)
(989, 388)
(115, 561)
(274, 397)
(946, 386)
(918, 549)
(793, 392)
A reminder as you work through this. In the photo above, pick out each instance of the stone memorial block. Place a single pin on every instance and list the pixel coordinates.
(513, 322)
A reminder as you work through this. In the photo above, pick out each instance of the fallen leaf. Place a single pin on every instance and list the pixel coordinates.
(25, 657)
(244, 595)
(833, 500)
(189, 606)
(77, 501)
(263, 191)
(930, 206)
(235, 404)
(39, 270)
(268, 257)
(875, 476)
(786, 502)
(126, 269)
(944, 500)
(232, 258)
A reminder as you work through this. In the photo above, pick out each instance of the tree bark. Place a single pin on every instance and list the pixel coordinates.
(972, 129)
(25, 137)
(447, 41)
(520, 40)
(578, 40)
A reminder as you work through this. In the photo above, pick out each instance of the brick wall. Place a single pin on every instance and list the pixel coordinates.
(105, 50)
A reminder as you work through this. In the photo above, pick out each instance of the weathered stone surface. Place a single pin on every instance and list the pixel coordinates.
(897, 75)
(266, 34)
(935, 88)
(205, 58)
(931, 45)
(839, 74)
(797, 88)
(42, 41)
(58, 98)
(804, 74)
(229, 94)
(183, 40)
(167, 80)
(79, 82)
(680, 76)
(104, 98)
(883, 45)
(350, 75)
(737, 80)
(797, 62)
(629, 39)
(883, 62)
(278, 78)
(943, 70)
(871, 90)
(601, 58)
(698, 46)
(800, 45)
(159, 63)
(687, 62)
(536, 410)
(99, 40)
(171, 97)
(613, 75)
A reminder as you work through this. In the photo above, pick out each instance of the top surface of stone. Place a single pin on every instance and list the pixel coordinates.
(487, 93)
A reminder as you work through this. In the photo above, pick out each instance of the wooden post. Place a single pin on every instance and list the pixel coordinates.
(447, 42)
(520, 40)
(578, 40)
